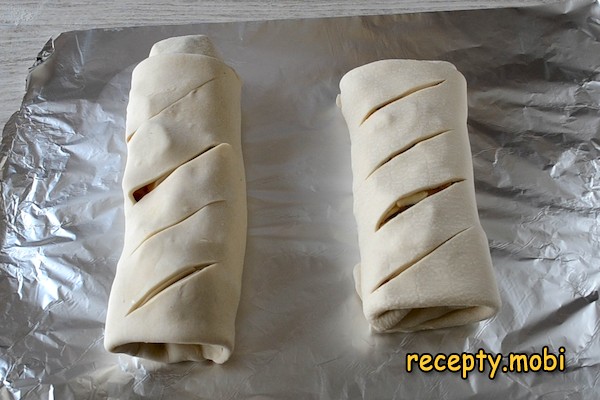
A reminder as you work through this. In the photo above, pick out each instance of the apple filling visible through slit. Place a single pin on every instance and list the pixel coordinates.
(407, 202)
(144, 190)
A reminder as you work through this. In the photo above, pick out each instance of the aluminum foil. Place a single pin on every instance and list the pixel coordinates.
(534, 103)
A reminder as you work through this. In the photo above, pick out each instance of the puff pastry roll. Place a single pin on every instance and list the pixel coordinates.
(425, 260)
(177, 286)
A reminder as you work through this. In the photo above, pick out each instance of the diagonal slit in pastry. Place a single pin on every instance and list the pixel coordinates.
(168, 282)
(405, 267)
(171, 105)
(139, 193)
(400, 97)
(406, 202)
(408, 147)
(150, 235)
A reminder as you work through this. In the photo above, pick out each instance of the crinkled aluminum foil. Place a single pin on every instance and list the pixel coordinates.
(534, 98)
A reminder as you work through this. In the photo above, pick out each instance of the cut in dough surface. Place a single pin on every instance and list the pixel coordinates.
(177, 287)
(425, 261)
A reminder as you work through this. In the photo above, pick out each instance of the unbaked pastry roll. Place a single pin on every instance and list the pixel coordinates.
(177, 287)
(425, 260)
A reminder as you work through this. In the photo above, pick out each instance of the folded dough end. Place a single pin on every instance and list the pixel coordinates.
(192, 44)
(452, 286)
(173, 353)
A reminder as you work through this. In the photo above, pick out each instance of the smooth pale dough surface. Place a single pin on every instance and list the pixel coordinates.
(425, 261)
(177, 287)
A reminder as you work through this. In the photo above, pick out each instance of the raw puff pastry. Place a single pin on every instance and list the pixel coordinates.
(177, 287)
(425, 260)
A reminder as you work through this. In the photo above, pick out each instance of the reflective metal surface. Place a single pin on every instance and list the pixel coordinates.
(534, 103)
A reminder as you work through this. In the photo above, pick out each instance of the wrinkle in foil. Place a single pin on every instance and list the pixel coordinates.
(534, 122)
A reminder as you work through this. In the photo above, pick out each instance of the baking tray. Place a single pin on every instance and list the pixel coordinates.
(534, 125)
